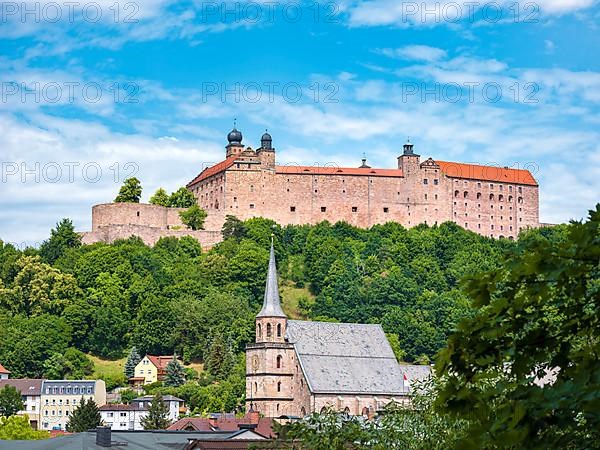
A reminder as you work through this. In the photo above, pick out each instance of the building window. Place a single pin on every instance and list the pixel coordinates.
(251, 205)
(435, 196)
(292, 209)
(386, 210)
(491, 186)
(465, 194)
(520, 189)
(425, 196)
(491, 196)
(520, 200)
(269, 330)
(259, 330)
(501, 198)
(436, 181)
(138, 214)
(354, 209)
(456, 193)
(425, 181)
(323, 209)
(510, 198)
(478, 195)
(279, 386)
(279, 361)
(278, 330)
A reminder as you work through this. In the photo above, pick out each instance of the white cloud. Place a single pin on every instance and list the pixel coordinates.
(415, 53)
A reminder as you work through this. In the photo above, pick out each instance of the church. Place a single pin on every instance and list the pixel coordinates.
(297, 367)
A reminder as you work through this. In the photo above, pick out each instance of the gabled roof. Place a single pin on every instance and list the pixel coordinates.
(160, 362)
(333, 170)
(346, 358)
(3, 370)
(264, 426)
(213, 170)
(487, 173)
(27, 386)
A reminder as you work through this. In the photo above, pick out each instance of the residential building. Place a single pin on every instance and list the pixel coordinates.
(61, 397)
(151, 369)
(4, 373)
(128, 417)
(31, 391)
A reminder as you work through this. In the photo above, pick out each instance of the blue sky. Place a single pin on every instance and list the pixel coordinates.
(95, 92)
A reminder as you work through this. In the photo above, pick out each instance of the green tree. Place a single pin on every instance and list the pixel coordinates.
(182, 198)
(130, 191)
(153, 325)
(17, 428)
(10, 401)
(132, 360)
(524, 370)
(160, 197)
(220, 358)
(194, 217)
(233, 228)
(85, 417)
(158, 414)
(175, 374)
(62, 238)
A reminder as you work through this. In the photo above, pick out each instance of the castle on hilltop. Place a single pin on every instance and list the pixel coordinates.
(493, 201)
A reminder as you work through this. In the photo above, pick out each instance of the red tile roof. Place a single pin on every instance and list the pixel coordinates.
(160, 362)
(3, 370)
(487, 173)
(264, 425)
(27, 386)
(334, 170)
(213, 170)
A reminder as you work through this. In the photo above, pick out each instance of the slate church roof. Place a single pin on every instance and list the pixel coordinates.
(346, 358)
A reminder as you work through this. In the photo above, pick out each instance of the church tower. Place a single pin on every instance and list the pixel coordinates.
(270, 360)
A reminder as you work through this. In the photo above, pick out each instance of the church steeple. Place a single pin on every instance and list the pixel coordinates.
(271, 303)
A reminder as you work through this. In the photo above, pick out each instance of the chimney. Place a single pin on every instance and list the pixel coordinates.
(103, 437)
(213, 421)
(253, 416)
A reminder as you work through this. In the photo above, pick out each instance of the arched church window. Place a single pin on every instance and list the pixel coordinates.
(259, 330)
(365, 411)
(279, 361)
(303, 411)
(347, 410)
(269, 331)
(278, 330)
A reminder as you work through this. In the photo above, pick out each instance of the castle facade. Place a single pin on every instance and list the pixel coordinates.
(492, 201)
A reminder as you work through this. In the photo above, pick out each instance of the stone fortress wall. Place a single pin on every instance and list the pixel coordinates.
(112, 221)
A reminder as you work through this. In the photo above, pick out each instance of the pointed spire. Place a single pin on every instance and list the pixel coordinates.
(271, 304)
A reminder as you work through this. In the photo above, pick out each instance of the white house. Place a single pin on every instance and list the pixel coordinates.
(4, 374)
(128, 417)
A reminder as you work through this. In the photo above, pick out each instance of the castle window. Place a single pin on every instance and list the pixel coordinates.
(248, 166)
(478, 185)
(479, 226)
(501, 198)
(251, 188)
(138, 214)
(466, 225)
(278, 330)
(520, 200)
(251, 205)
(456, 193)
(465, 194)
(491, 196)
(520, 219)
(323, 209)
(436, 181)
(425, 196)
(425, 181)
(279, 361)
(510, 189)
(269, 330)
(292, 209)
(235, 199)
(316, 191)
(435, 196)
(510, 198)
(279, 386)
(466, 204)
(386, 210)
(478, 195)
(520, 189)
(501, 187)
(354, 209)
(510, 218)
(492, 227)
(491, 186)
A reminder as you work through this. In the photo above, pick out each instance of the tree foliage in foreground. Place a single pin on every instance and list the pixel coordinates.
(158, 415)
(10, 401)
(17, 428)
(130, 192)
(538, 319)
(85, 417)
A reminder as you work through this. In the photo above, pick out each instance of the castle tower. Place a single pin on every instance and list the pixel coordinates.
(234, 138)
(409, 161)
(270, 360)
(266, 152)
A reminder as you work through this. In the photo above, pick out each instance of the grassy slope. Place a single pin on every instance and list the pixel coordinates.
(290, 296)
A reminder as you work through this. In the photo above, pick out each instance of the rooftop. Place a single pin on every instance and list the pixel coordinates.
(27, 386)
(3, 370)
